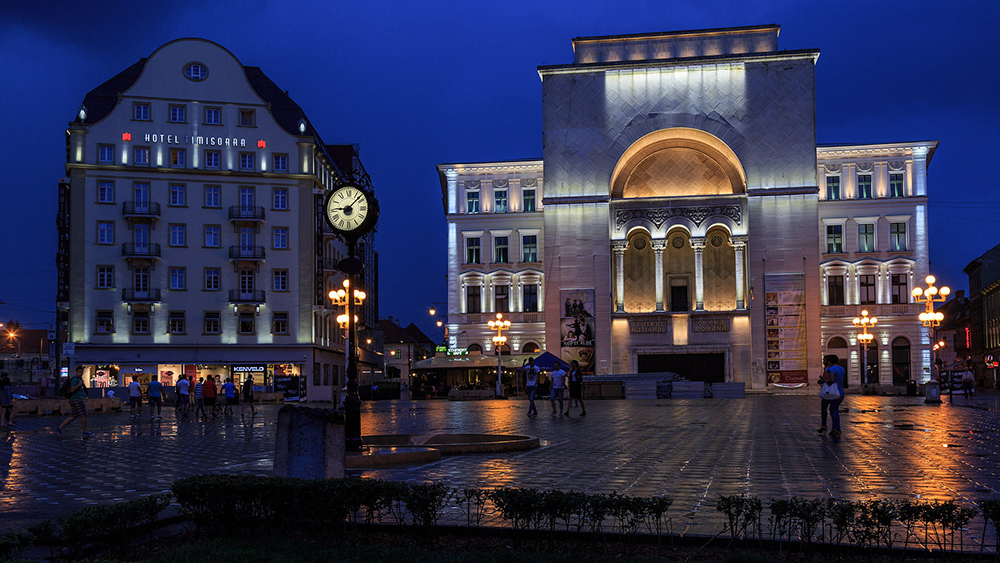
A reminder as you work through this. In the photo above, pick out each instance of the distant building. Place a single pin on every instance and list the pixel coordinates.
(984, 315)
(192, 235)
(683, 219)
(402, 347)
(956, 332)
(24, 354)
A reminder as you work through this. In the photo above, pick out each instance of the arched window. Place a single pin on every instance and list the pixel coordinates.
(900, 361)
(504, 348)
(530, 348)
(869, 369)
(475, 348)
(836, 343)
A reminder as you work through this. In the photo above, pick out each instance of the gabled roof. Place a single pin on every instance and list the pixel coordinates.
(418, 335)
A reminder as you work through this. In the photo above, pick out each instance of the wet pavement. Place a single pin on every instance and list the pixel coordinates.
(691, 450)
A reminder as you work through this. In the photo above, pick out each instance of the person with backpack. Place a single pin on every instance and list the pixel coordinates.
(76, 392)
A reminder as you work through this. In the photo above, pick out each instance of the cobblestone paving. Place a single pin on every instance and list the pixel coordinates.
(692, 450)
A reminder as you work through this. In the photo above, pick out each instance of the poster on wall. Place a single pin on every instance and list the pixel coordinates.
(785, 325)
(576, 330)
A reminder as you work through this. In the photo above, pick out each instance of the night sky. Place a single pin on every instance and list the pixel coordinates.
(423, 83)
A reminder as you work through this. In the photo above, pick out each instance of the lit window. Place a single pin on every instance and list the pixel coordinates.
(178, 114)
(140, 156)
(212, 276)
(178, 158)
(247, 118)
(897, 237)
(280, 198)
(472, 250)
(212, 324)
(280, 280)
(106, 154)
(833, 188)
(105, 192)
(864, 186)
(834, 238)
(140, 112)
(212, 159)
(472, 203)
(280, 323)
(500, 201)
(866, 238)
(529, 246)
(248, 161)
(896, 185)
(196, 72)
(178, 194)
(175, 322)
(178, 279)
(213, 116)
(105, 277)
(105, 232)
(212, 196)
(140, 323)
(178, 235)
(281, 163)
(212, 236)
(528, 197)
(105, 322)
(280, 237)
(500, 250)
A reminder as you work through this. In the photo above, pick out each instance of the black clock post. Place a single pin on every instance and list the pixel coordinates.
(352, 212)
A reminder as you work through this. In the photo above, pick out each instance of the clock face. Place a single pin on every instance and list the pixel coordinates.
(347, 209)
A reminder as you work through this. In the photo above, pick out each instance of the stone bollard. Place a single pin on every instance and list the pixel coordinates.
(309, 443)
(932, 392)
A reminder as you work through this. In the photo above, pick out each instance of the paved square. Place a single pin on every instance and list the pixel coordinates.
(691, 450)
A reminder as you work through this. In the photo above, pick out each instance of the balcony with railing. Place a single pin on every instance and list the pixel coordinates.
(516, 317)
(252, 297)
(140, 209)
(243, 214)
(874, 310)
(140, 296)
(150, 251)
(246, 253)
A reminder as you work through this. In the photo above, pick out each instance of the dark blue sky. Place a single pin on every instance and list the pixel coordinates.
(421, 83)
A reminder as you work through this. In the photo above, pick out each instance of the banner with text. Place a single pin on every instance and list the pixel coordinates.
(785, 323)
(577, 327)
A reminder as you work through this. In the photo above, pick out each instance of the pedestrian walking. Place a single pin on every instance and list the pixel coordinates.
(531, 373)
(77, 394)
(248, 397)
(576, 387)
(558, 377)
(967, 383)
(229, 391)
(135, 397)
(155, 392)
(831, 393)
(199, 398)
(209, 391)
(183, 390)
(6, 401)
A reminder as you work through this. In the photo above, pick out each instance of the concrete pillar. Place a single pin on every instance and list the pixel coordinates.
(698, 243)
(309, 443)
(658, 247)
(619, 249)
(740, 245)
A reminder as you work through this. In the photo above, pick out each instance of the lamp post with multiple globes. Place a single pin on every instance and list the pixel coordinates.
(930, 318)
(499, 340)
(865, 338)
(343, 297)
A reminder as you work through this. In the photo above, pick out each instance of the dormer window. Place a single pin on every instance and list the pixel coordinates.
(196, 72)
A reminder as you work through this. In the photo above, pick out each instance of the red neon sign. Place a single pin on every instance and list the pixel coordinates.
(261, 144)
(126, 136)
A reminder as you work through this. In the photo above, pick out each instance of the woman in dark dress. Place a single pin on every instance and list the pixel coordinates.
(576, 387)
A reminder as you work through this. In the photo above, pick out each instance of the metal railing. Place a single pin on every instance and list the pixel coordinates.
(141, 209)
(139, 296)
(133, 250)
(246, 253)
(240, 213)
(237, 296)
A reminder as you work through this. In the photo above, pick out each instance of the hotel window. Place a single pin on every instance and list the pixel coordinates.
(212, 198)
(105, 232)
(531, 298)
(178, 194)
(140, 156)
(247, 118)
(178, 158)
(472, 203)
(105, 322)
(835, 290)
(106, 154)
(279, 236)
(897, 237)
(212, 276)
(246, 284)
(140, 282)
(864, 186)
(213, 236)
(501, 298)
(212, 324)
(105, 192)
(866, 237)
(279, 323)
(213, 116)
(500, 250)
(500, 201)
(834, 238)
(528, 199)
(212, 159)
(178, 235)
(280, 163)
(280, 199)
(472, 304)
(529, 247)
(472, 250)
(898, 288)
(248, 161)
(105, 277)
(175, 322)
(140, 112)
(178, 279)
(178, 114)
(866, 286)
(833, 188)
(246, 323)
(140, 323)
(280, 280)
(896, 185)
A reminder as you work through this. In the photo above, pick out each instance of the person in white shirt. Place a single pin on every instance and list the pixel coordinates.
(558, 384)
(135, 397)
(531, 385)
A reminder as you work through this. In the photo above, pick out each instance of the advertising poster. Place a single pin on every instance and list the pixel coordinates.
(785, 323)
(289, 385)
(576, 331)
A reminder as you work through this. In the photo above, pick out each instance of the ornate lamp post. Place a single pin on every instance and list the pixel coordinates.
(499, 340)
(865, 337)
(929, 318)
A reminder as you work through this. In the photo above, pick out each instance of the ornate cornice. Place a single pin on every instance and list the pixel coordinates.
(660, 215)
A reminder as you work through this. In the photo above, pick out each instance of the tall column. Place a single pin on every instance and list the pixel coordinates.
(740, 245)
(658, 246)
(698, 243)
(619, 248)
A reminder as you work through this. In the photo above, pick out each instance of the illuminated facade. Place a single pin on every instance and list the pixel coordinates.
(194, 191)
(684, 222)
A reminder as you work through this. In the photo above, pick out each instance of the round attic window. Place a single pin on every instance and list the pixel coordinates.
(196, 72)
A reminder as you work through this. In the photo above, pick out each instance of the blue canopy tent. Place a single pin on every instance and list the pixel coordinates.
(548, 361)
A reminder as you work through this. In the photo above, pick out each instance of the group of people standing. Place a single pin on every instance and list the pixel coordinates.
(207, 392)
(560, 381)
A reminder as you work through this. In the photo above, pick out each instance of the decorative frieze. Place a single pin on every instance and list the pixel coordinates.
(660, 215)
(471, 184)
(501, 184)
(896, 165)
(833, 168)
(529, 182)
(865, 167)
